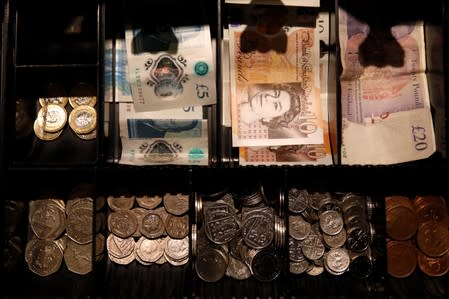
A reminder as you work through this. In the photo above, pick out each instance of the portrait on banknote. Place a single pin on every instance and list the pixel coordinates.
(277, 109)
(170, 66)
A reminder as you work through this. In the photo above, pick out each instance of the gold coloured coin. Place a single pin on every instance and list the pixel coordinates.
(89, 136)
(52, 118)
(43, 135)
(83, 119)
(82, 100)
(60, 101)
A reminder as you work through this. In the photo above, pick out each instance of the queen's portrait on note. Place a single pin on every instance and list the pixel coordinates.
(273, 105)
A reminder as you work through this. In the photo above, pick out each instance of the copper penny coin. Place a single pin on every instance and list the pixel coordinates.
(433, 239)
(401, 258)
(401, 223)
(433, 266)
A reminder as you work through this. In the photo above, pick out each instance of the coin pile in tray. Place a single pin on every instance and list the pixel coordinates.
(237, 242)
(60, 231)
(418, 235)
(149, 229)
(329, 232)
(53, 116)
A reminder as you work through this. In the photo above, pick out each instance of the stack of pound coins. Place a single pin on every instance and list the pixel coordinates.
(418, 235)
(151, 229)
(83, 117)
(51, 118)
(237, 242)
(61, 231)
(328, 233)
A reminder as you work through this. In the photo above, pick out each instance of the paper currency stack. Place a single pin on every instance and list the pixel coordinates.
(386, 116)
(164, 76)
(278, 87)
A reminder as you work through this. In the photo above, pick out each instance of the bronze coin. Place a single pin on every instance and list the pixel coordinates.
(433, 266)
(392, 202)
(432, 212)
(401, 223)
(401, 258)
(429, 199)
(433, 239)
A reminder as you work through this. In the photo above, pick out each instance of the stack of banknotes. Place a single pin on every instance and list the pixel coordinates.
(278, 87)
(386, 116)
(163, 77)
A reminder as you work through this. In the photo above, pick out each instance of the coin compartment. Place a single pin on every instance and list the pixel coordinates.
(225, 210)
(49, 32)
(62, 146)
(27, 216)
(137, 203)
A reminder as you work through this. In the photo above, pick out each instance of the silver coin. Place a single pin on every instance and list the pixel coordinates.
(211, 264)
(149, 202)
(152, 225)
(177, 249)
(335, 241)
(121, 202)
(298, 200)
(295, 250)
(80, 221)
(337, 260)
(266, 265)
(44, 257)
(47, 219)
(312, 247)
(78, 257)
(299, 229)
(150, 250)
(123, 261)
(176, 204)
(299, 267)
(315, 270)
(120, 247)
(258, 231)
(331, 222)
(122, 223)
(177, 226)
(222, 229)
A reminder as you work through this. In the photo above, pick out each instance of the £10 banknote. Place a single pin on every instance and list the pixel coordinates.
(275, 92)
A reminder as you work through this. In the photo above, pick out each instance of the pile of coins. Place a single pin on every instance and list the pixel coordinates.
(60, 231)
(328, 233)
(149, 229)
(83, 117)
(52, 117)
(418, 235)
(238, 243)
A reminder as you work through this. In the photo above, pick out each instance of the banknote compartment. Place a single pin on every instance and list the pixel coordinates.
(323, 19)
(50, 32)
(118, 88)
(435, 72)
(68, 148)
